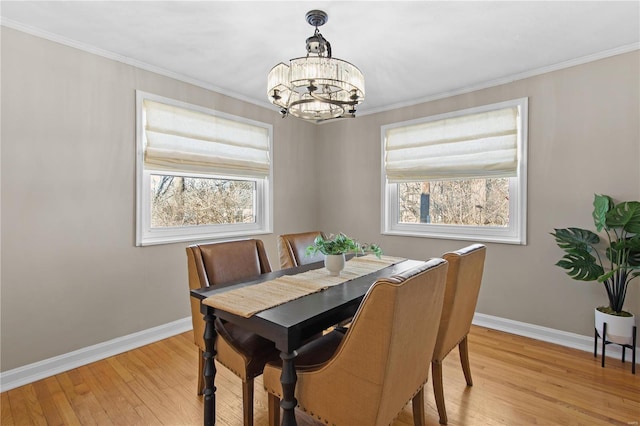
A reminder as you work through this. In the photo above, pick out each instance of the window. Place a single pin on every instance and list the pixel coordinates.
(459, 175)
(201, 174)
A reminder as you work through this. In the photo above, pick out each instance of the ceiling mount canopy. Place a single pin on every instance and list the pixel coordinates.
(316, 87)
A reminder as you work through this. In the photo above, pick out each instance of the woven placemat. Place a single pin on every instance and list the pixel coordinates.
(249, 300)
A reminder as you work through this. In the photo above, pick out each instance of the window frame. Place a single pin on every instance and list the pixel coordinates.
(263, 200)
(515, 233)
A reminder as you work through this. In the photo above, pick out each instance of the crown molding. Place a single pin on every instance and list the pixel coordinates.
(128, 61)
(180, 77)
(508, 79)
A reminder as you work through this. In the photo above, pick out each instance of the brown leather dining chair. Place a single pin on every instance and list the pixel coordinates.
(368, 375)
(461, 295)
(242, 352)
(292, 247)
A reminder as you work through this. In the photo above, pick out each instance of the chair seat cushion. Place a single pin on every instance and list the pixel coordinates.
(318, 351)
(314, 353)
(256, 351)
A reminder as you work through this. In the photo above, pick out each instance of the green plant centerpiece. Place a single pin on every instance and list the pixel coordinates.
(335, 247)
(341, 244)
(614, 262)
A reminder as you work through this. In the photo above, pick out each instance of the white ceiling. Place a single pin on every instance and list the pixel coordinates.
(408, 51)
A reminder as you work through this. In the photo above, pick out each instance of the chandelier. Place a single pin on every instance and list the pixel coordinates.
(316, 87)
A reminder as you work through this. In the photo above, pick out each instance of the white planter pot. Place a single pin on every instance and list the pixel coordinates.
(619, 329)
(334, 263)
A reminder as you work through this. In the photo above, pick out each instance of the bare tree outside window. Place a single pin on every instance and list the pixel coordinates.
(192, 201)
(475, 202)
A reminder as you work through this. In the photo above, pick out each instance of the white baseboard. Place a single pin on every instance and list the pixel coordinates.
(48, 367)
(559, 337)
(39, 370)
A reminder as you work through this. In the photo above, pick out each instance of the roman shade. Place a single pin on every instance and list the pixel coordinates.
(479, 145)
(180, 139)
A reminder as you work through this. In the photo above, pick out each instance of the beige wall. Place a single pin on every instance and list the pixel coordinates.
(584, 138)
(72, 277)
(71, 274)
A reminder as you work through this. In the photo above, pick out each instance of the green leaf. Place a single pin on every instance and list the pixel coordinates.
(580, 265)
(602, 204)
(634, 256)
(340, 244)
(605, 277)
(372, 248)
(317, 246)
(575, 238)
(623, 249)
(625, 215)
(629, 245)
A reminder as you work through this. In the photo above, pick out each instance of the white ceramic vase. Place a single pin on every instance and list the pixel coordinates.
(334, 263)
(619, 329)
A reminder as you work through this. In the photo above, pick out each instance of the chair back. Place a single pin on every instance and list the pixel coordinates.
(292, 249)
(461, 296)
(220, 263)
(376, 363)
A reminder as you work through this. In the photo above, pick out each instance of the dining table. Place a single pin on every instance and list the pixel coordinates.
(289, 325)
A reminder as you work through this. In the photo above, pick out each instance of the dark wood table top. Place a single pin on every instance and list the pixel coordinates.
(290, 324)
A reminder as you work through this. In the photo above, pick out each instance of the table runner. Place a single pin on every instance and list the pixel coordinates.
(249, 300)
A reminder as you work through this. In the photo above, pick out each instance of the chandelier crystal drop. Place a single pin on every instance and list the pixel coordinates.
(317, 87)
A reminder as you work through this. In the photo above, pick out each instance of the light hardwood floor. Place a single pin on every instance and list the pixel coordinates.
(517, 381)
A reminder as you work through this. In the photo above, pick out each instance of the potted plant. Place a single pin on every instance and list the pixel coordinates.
(614, 262)
(335, 247)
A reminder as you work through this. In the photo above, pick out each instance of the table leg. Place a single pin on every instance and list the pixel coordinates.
(604, 341)
(288, 380)
(633, 350)
(209, 371)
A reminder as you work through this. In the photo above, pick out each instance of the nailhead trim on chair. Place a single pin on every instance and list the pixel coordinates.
(279, 395)
(249, 377)
(311, 413)
(229, 368)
